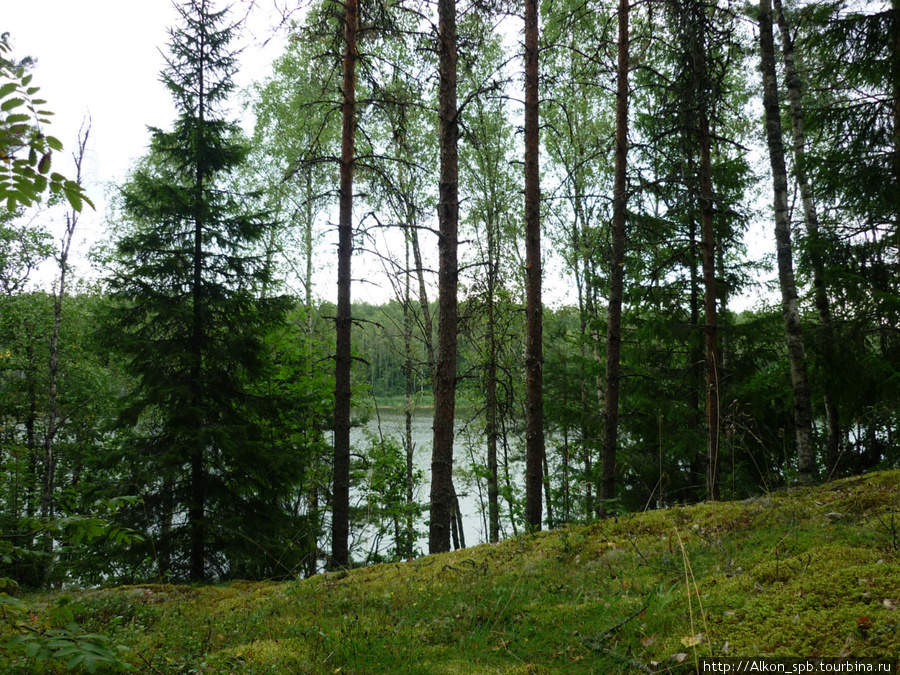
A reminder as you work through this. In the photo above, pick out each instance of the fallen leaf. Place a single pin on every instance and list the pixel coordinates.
(649, 640)
(680, 657)
(692, 640)
(726, 647)
(890, 604)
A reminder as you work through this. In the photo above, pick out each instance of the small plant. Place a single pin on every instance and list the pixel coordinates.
(63, 640)
(60, 636)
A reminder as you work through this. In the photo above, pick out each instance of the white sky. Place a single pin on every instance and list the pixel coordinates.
(102, 58)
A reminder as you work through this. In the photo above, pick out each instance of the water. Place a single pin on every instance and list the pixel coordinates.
(469, 448)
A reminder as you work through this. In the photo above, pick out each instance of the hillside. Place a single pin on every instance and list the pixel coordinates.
(794, 573)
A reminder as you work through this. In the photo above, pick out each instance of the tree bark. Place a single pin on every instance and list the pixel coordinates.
(491, 395)
(534, 358)
(811, 221)
(789, 305)
(711, 329)
(197, 504)
(442, 493)
(617, 267)
(340, 526)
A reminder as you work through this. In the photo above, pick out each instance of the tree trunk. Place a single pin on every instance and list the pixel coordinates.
(534, 359)
(708, 246)
(340, 527)
(895, 93)
(442, 492)
(789, 304)
(197, 504)
(48, 486)
(491, 393)
(811, 221)
(617, 268)
(409, 446)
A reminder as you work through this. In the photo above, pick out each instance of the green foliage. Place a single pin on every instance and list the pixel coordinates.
(59, 636)
(26, 153)
(206, 434)
(383, 512)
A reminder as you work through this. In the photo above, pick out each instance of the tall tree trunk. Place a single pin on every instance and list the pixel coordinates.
(408, 444)
(708, 246)
(197, 505)
(491, 394)
(895, 92)
(789, 305)
(534, 359)
(583, 286)
(617, 267)
(695, 378)
(442, 492)
(48, 486)
(811, 221)
(340, 526)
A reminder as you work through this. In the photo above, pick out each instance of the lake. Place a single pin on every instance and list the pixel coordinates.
(469, 448)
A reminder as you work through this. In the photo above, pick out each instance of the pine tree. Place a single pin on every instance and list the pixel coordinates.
(208, 452)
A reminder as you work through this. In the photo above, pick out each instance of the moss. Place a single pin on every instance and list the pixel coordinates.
(799, 572)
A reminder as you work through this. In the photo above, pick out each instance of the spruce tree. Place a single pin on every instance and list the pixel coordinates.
(209, 452)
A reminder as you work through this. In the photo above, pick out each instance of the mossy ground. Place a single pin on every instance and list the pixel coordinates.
(796, 573)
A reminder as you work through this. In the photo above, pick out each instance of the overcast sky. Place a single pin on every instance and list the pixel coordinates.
(102, 58)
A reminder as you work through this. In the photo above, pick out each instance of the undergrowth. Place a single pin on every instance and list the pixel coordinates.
(796, 573)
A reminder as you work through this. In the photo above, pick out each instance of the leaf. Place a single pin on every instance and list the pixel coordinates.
(692, 640)
(17, 118)
(11, 103)
(74, 661)
(7, 89)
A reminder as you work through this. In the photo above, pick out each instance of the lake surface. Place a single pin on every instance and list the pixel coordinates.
(470, 447)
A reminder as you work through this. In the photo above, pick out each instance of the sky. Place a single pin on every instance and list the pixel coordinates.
(102, 59)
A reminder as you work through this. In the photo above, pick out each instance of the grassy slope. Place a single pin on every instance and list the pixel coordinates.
(800, 572)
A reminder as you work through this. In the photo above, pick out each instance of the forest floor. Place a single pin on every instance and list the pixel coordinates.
(800, 572)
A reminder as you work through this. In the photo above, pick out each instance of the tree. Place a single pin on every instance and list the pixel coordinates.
(789, 304)
(209, 451)
(53, 417)
(534, 395)
(442, 492)
(340, 532)
(794, 85)
(617, 266)
(489, 187)
(579, 137)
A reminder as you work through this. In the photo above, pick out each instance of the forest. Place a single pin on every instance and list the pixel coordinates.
(187, 413)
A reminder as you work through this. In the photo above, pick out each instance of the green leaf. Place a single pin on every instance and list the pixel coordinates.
(7, 89)
(11, 103)
(74, 661)
(16, 640)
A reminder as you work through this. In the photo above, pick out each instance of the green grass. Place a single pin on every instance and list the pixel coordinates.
(795, 573)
